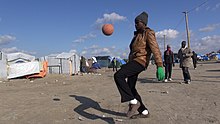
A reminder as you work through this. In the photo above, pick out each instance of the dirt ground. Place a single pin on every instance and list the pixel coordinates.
(94, 99)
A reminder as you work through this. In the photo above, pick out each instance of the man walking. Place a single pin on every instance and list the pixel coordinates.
(194, 58)
(184, 54)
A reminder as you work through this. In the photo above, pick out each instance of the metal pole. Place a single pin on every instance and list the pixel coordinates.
(187, 29)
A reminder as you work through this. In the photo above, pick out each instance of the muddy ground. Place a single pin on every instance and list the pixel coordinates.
(94, 99)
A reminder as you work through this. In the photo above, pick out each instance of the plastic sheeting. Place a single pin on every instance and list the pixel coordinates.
(3, 66)
(19, 57)
(23, 69)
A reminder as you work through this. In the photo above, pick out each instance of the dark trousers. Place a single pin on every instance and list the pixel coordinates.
(194, 63)
(114, 67)
(127, 89)
(168, 70)
(186, 74)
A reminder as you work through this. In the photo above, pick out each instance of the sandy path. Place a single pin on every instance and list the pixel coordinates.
(88, 99)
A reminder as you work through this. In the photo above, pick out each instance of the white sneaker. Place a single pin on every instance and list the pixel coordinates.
(188, 82)
(165, 80)
(169, 79)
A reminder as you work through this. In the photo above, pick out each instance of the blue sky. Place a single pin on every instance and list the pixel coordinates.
(43, 27)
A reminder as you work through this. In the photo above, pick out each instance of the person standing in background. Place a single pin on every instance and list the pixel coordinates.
(194, 58)
(185, 54)
(168, 63)
(114, 64)
(83, 66)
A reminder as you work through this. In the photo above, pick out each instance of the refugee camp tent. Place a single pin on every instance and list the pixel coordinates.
(218, 56)
(215, 56)
(54, 64)
(43, 71)
(70, 63)
(18, 64)
(103, 61)
(119, 62)
(3, 66)
(19, 57)
(64, 63)
(21, 64)
(22, 69)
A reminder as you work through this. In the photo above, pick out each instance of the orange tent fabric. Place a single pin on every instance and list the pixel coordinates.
(42, 72)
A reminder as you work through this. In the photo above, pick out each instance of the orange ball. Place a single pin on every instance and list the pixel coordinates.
(107, 29)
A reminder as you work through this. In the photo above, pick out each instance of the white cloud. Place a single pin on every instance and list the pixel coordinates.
(84, 52)
(112, 17)
(207, 44)
(94, 47)
(208, 8)
(84, 38)
(197, 9)
(10, 50)
(169, 33)
(213, 8)
(15, 49)
(209, 28)
(95, 50)
(73, 51)
(216, 6)
(6, 39)
(101, 51)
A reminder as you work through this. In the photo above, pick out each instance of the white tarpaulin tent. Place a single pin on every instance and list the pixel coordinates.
(64, 63)
(23, 69)
(19, 64)
(19, 58)
(3, 66)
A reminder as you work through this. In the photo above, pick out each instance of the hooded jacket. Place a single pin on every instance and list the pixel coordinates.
(142, 45)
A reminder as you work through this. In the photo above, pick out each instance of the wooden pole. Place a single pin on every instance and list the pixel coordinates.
(187, 29)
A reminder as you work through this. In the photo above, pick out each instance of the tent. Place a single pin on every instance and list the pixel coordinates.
(21, 64)
(54, 64)
(23, 69)
(70, 63)
(63, 63)
(3, 66)
(43, 71)
(119, 62)
(19, 57)
(103, 61)
(215, 56)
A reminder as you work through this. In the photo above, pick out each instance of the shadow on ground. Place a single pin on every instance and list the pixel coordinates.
(154, 80)
(87, 103)
(213, 70)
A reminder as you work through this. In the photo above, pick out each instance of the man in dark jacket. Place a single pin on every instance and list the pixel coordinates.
(168, 63)
(114, 64)
(142, 45)
(83, 64)
(194, 58)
